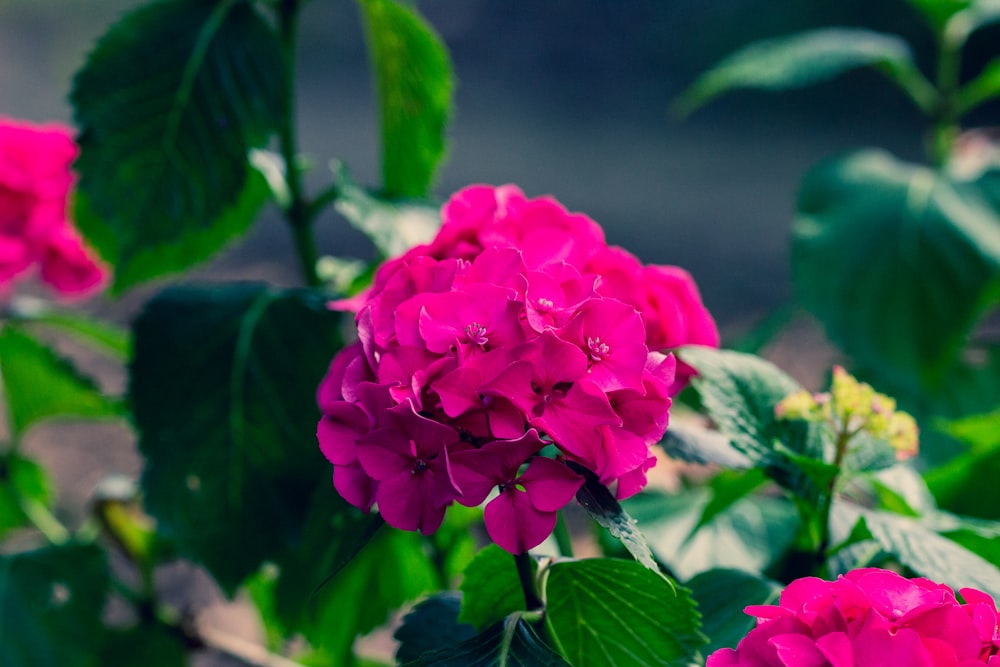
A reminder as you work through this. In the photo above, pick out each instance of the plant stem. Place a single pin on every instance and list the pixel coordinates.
(298, 211)
(563, 540)
(826, 503)
(46, 522)
(526, 573)
(945, 116)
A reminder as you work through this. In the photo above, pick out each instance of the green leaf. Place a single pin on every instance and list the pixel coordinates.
(930, 555)
(491, 588)
(721, 596)
(102, 336)
(21, 479)
(415, 83)
(600, 503)
(739, 393)
(898, 262)
(433, 624)
(616, 613)
(392, 570)
(393, 226)
(223, 388)
(937, 12)
(750, 535)
(39, 384)
(728, 487)
(976, 15)
(981, 89)
(147, 645)
(169, 104)
(800, 60)
(965, 483)
(695, 444)
(50, 601)
(511, 643)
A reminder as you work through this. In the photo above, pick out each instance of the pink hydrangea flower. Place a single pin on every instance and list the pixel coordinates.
(500, 340)
(869, 618)
(35, 181)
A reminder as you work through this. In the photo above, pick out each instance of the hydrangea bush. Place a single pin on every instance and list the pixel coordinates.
(540, 454)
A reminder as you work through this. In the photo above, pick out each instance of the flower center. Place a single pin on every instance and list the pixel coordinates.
(419, 466)
(476, 333)
(598, 350)
(545, 305)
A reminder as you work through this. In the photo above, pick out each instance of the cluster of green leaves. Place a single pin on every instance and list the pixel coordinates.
(899, 261)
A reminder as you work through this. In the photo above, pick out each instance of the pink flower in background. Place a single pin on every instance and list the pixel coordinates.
(514, 342)
(869, 618)
(35, 181)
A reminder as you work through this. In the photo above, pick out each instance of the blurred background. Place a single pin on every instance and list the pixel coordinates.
(563, 97)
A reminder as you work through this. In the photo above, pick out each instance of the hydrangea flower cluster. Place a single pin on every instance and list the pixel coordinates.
(869, 618)
(852, 406)
(35, 180)
(515, 341)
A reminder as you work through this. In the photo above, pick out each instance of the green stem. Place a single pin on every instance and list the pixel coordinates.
(946, 113)
(298, 211)
(826, 503)
(526, 573)
(563, 540)
(46, 522)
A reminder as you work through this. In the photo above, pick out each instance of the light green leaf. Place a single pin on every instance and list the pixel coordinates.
(930, 555)
(49, 603)
(393, 226)
(981, 89)
(39, 384)
(898, 263)
(965, 483)
(223, 388)
(491, 588)
(937, 12)
(511, 643)
(415, 83)
(21, 479)
(721, 596)
(801, 60)
(169, 104)
(749, 536)
(728, 487)
(102, 336)
(605, 612)
(976, 15)
(739, 393)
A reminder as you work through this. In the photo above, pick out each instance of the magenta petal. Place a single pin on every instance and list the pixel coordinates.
(952, 624)
(337, 439)
(385, 453)
(724, 657)
(514, 524)
(407, 502)
(836, 647)
(795, 650)
(550, 484)
(354, 485)
(572, 420)
(477, 473)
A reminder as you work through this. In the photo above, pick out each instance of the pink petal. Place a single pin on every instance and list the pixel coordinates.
(354, 485)
(795, 650)
(836, 647)
(550, 484)
(514, 524)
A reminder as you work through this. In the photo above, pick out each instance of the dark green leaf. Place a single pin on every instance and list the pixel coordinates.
(393, 226)
(50, 602)
(739, 393)
(433, 624)
(600, 503)
(898, 263)
(146, 645)
(800, 60)
(984, 87)
(491, 588)
(868, 454)
(721, 596)
(223, 388)
(986, 546)
(930, 555)
(511, 643)
(20, 479)
(616, 613)
(39, 384)
(169, 104)
(392, 570)
(415, 85)
(966, 483)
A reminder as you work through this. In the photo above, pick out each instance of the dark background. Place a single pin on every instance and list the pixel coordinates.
(570, 98)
